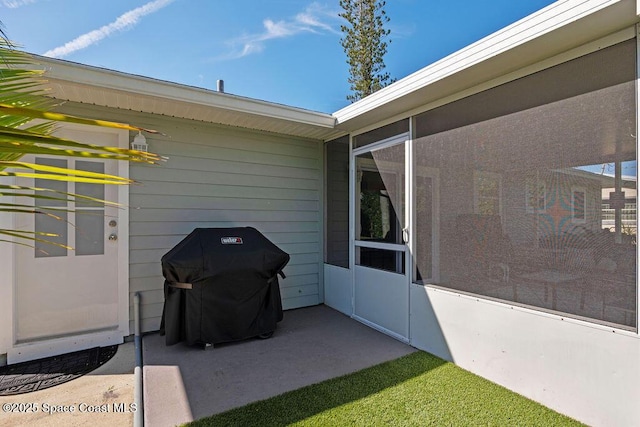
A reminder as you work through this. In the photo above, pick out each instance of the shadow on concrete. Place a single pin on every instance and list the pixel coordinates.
(301, 404)
(311, 345)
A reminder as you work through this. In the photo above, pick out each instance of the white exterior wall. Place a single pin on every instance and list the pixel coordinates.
(338, 289)
(587, 371)
(218, 176)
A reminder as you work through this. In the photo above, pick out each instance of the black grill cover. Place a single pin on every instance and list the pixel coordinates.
(221, 284)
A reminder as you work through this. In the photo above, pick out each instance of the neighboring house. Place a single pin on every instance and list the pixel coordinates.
(562, 203)
(457, 210)
(628, 214)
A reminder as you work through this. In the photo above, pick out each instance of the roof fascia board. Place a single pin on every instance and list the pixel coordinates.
(545, 21)
(60, 70)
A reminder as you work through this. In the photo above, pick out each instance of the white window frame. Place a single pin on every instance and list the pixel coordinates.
(574, 190)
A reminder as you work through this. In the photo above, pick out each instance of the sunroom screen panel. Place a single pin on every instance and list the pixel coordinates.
(557, 147)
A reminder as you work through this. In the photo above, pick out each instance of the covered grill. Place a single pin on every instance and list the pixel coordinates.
(221, 284)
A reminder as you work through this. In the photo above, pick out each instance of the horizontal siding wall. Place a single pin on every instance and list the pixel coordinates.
(218, 176)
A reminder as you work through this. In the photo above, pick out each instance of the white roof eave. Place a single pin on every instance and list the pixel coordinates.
(561, 26)
(82, 83)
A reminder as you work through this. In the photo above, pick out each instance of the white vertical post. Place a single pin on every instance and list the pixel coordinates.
(637, 130)
(410, 218)
(352, 223)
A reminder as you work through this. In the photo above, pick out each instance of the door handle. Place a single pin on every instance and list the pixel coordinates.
(405, 235)
(113, 237)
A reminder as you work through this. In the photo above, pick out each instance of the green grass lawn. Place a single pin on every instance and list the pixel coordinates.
(416, 390)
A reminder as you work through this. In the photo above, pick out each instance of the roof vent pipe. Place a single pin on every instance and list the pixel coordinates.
(221, 86)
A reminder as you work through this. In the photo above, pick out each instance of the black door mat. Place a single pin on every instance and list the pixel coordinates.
(39, 374)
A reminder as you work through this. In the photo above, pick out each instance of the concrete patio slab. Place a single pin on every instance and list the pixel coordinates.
(101, 398)
(314, 344)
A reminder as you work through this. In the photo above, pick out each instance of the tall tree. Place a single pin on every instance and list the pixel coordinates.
(365, 45)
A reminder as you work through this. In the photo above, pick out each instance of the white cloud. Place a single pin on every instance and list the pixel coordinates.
(314, 13)
(14, 4)
(315, 19)
(124, 22)
(277, 29)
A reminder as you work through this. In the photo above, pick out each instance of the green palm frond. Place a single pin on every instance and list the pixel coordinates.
(37, 193)
(60, 174)
(29, 142)
(17, 207)
(31, 236)
(48, 115)
(26, 126)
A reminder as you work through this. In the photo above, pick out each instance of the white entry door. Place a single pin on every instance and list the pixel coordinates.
(381, 285)
(68, 299)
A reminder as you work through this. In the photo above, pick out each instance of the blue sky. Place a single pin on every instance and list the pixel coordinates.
(284, 51)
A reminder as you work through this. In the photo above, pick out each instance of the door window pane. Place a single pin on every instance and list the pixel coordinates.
(381, 259)
(60, 186)
(89, 232)
(380, 195)
(89, 221)
(55, 228)
(95, 191)
(51, 221)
